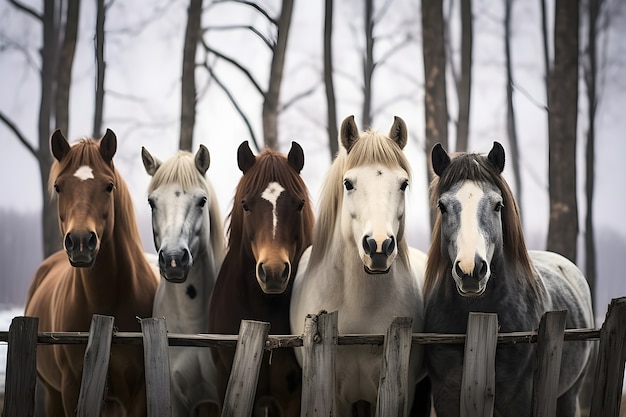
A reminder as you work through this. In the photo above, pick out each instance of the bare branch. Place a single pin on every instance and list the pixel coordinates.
(253, 5)
(299, 96)
(26, 10)
(254, 30)
(236, 64)
(235, 104)
(19, 135)
(529, 96)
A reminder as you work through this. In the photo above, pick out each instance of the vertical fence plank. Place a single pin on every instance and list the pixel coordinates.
(479, 365)
(609, 376)
(157, 364)
(549, 352)
(95, 366)
(244, 375)
(318, 365)
(21, 372)
(394, 373)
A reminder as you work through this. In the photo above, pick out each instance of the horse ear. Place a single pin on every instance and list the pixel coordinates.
(399, 133)
(349, 133)
(296, 156)
(59, 145)
(203, 159)
(245, 157)
(108, 145)
(150, 163)
(496, 156)
(440, 159)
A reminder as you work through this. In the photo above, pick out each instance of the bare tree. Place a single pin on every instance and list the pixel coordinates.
(368, 64)
(435, 102)
(510, 113)
(562, 121)
(331, 102)
(188, 83)
(100, 69)
(465, 82)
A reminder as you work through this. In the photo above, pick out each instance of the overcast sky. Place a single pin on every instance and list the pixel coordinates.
(144, 52)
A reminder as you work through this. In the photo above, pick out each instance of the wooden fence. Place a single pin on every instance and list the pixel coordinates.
(319, 342)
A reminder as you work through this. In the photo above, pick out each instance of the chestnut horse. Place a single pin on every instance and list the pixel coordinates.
(271, 225)
(101, 270)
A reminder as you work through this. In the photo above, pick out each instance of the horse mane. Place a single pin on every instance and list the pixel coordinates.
(371, 148)
(270, 166)
(181, 169)
(86, 151)
(476, 167)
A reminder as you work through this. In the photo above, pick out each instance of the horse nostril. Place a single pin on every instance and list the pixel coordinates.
(459, 271)
(161, 260)
(93, 241)
(260, 272)
(389, 246)
(184, 260)
(483, 269)
(369, 245)
(286, 271)
(69, 243)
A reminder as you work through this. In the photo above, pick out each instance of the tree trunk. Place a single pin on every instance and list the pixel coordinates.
(465, 85)
(435, 102)
(563, 107)
(65, 64)
(331, 103)
(368, 64)
(272, 95)
(49, 52)
(100, 69)
(188, 84)
(511, 127)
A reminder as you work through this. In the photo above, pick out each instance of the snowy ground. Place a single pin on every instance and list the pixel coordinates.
(6, 315)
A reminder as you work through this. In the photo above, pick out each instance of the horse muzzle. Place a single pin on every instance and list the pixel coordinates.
(471, 284)
(378, 262)
(174, 266)
(273, 279)
(81, 248)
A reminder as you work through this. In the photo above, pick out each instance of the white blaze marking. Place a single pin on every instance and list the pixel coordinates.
(469, 240)
(84, 173)
(271, 194)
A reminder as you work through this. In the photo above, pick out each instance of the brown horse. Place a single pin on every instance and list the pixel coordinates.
(271, 224)
(102, 270)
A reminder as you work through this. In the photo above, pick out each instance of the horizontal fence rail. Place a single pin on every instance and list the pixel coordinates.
(320, 342)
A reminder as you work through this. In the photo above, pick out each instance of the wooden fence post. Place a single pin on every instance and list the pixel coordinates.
(609, 376)
(157, 364)
(318, 365)
(95, 366)
(239, 399)
(549, 352)
(394, 372)
(21, 372)
(478, 387)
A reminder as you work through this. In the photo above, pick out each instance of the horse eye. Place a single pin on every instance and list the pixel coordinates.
(498, 206)
(348, 185)
(245, 206)
(202, 202)
(441, 207)
(151, 204)
(110, 187)
(300, 205)
(57, 189)
(404, 185)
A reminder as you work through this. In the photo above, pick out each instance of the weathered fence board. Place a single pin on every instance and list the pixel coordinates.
(549, 353)
(478, 384)
(393, 387)
(609, 376)
(157, 363)
(21, 373)
(244, 374)
(318, 365)
(95, 367)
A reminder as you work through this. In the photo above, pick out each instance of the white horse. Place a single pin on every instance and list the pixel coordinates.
(189, 238)
(360, 263)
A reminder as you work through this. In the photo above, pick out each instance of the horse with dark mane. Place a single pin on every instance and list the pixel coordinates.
(270, 226)
(101, 270)
(478, 262)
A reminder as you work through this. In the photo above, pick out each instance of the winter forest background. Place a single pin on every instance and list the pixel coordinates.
(264, 72)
